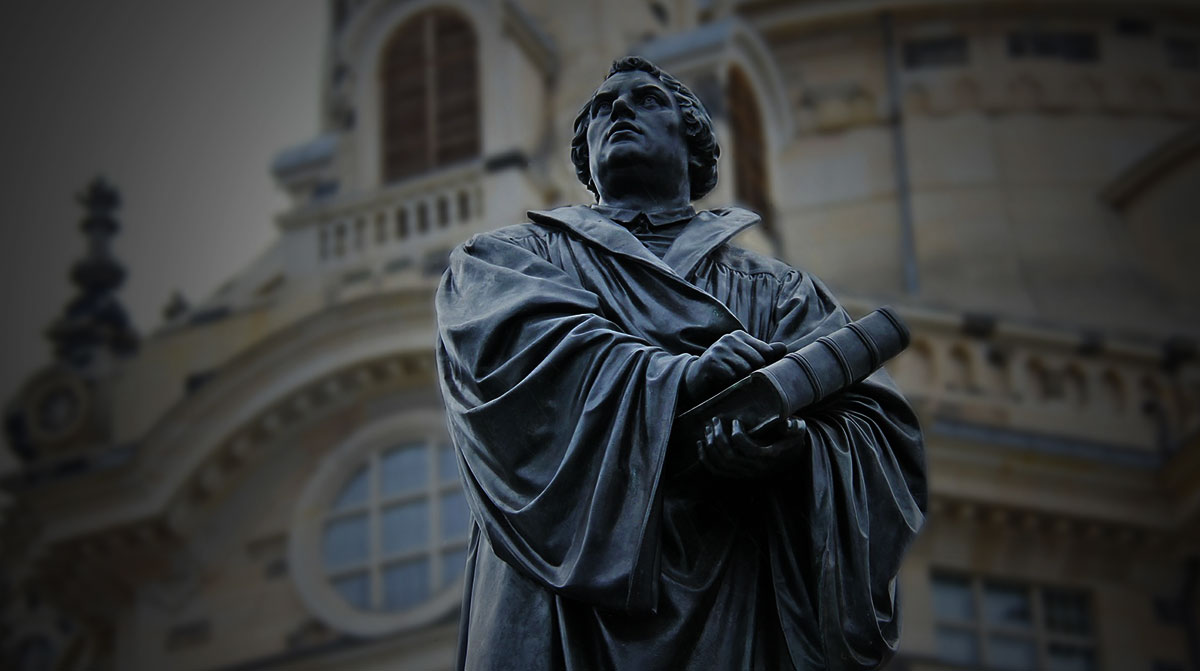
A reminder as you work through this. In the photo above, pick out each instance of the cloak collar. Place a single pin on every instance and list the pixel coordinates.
(704, 233)
(655, 219)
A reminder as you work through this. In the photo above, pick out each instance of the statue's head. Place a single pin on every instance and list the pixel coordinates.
(643, 119)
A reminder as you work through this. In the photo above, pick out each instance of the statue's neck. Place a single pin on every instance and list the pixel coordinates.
(642, 202)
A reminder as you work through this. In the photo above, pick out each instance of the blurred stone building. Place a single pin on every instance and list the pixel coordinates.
(264, 481)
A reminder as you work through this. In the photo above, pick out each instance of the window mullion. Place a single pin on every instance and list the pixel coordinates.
(435, 506)
(980, 625)
(374, 520)
(1039, 628)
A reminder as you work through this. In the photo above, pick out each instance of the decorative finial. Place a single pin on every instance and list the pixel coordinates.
(94, 319)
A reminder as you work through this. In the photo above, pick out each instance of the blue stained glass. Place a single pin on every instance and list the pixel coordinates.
(959, 646)
(456, 518)
(447, 463)
(406, 527)
(345, 542)
(1010, 652)
(405, 469)
(354, 493)
(1065, 657)
(354, 589)
(1067, 611)
(1008, 605)
(952, 598)
(405, 584)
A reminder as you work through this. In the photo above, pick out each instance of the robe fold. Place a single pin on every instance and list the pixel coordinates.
(562, 345)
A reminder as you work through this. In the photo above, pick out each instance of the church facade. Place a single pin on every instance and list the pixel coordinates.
(265, 482)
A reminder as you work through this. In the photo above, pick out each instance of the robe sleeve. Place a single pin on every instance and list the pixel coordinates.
(844, 519)
(560, 419)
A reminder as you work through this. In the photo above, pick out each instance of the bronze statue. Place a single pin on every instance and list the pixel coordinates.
(607, 533)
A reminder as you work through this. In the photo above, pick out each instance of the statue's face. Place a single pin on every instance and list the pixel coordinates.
(635, 126)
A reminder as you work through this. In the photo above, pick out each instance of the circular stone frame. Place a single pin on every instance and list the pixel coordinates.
(304, 543)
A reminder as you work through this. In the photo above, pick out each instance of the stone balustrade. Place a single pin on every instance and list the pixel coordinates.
(1057, 384)
(397, 234)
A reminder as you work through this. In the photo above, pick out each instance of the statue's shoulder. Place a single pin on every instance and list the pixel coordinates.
(544, 223)
(518, 231)
(513, 234)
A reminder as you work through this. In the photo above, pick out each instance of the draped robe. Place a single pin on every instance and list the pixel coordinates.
(562, 344)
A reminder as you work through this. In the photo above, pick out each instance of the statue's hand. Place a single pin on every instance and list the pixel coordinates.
(728, 360)
(736, 454)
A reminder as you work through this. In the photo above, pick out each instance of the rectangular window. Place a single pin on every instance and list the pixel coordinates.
(935, 52)
(1073, 47)
(1004, 624)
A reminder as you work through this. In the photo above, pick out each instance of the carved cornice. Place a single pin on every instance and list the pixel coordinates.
(828, 108)
(239, 451)
(201, 443)
(1032, 520)
(106, 566)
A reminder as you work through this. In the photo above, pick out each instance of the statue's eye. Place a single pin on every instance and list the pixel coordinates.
(649, 101)
(602, 108)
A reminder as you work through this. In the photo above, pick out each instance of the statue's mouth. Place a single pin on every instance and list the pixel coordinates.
(623, 127)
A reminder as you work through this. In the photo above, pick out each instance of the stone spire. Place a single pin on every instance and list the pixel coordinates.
(94, 320)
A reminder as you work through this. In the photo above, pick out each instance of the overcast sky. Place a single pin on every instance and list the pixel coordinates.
(182, 105)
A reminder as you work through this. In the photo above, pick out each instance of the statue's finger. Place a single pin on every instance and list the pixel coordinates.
(703, 455)
(748, 353)
(711, 452)
(733, 361)
(747, 448)
(718, 429)
(764, 349)
(720, 448)
(740, 440)
(714, 449)
(722, 371)
(795, 428)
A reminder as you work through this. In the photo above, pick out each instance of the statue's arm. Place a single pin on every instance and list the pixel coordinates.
(562, 421)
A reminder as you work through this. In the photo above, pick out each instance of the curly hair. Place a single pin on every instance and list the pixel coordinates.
(703, 150)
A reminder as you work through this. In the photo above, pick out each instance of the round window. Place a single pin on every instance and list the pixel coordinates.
(380, 536)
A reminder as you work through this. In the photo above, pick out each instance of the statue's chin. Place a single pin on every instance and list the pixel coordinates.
(630, 165)
(631, 162)
(626, 153)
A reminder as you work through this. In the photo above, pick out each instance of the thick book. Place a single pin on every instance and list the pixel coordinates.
(804, 377)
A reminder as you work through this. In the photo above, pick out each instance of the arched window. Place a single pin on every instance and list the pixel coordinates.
(429, 81)
(749, 149)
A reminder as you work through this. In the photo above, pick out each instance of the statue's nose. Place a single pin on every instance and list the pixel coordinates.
(621, 108)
